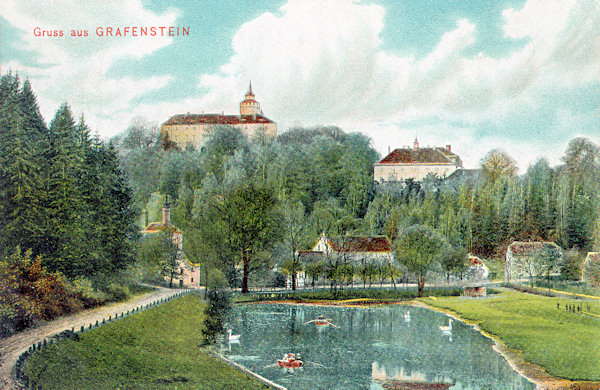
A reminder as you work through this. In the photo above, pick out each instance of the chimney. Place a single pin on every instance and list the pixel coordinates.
(449, 147)
(416, 144)
(389, 149)
(166, 214)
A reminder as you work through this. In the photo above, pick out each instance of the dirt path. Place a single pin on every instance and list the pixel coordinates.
(15, 345)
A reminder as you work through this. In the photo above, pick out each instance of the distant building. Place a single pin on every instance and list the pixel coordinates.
(190, 130)
(590, 271)
(521, 258)
(356, 249)
(348, 249)
(416, 163)
(189, 273)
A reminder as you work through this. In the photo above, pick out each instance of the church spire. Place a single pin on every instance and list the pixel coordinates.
(250, 88)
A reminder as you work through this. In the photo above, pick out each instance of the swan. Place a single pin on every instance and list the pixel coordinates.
(447, 329)
(406, 316)
(233, 337)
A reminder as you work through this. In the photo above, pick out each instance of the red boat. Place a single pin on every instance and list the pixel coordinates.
(290, 362)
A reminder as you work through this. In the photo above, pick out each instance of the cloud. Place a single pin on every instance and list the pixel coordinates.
(76, 69)
(324, 62)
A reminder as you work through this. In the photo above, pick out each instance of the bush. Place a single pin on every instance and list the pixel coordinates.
(219, 305)
(116, 292)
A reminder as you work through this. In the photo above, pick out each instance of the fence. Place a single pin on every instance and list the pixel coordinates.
(73, 334)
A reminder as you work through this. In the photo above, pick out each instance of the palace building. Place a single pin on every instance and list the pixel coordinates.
(416, 163)
(191, 130)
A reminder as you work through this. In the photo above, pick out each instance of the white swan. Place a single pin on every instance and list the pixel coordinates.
(406, 316)
(447, 329)
(233, 337)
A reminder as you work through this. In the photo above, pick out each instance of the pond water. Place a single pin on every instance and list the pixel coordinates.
(371, 348)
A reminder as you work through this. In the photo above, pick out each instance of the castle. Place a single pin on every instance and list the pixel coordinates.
(416, 163)
(191, 130)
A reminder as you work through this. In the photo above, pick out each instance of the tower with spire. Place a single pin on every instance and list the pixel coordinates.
(249, 106)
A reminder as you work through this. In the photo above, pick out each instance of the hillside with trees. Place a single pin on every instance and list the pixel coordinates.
(308, 181)
(68, 230)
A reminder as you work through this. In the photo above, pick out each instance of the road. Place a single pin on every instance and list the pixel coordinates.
(12, 347)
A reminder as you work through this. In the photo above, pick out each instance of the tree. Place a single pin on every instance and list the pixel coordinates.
(496, 164)
(294, 229)
(419, 248)
(252, 223)
(160, 256)
(548, 260)
(453, 261)
(217, 310)
(314, 270)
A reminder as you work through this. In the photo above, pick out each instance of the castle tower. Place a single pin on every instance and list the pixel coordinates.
(249, 106)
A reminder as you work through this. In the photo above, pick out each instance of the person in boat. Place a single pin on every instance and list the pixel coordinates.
(320, 320)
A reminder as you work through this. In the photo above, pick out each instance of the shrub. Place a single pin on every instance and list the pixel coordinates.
(219, 304)
(116, 292)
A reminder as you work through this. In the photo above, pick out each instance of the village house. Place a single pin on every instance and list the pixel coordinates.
(189, 274)
(590, 271)
(356, 251)
(416, 163)
(521, 258)
(190, 130)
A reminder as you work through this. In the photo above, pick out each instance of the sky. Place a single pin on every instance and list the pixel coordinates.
(518, 75)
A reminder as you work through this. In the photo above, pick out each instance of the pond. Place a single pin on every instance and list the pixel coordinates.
(380, 347)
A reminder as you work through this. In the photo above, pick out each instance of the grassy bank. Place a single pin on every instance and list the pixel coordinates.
(156, 349)
(565, 343)
(354, 293)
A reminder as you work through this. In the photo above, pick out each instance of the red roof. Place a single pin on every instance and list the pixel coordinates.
(156, 227)
(421, 156)
(360, 244)
(527, 248)
(215, 119)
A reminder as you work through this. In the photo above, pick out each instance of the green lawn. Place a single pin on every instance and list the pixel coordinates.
(566, 344)
(156, 349)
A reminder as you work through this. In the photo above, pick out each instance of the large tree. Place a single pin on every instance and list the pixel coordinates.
(252, 221)
(419, 248)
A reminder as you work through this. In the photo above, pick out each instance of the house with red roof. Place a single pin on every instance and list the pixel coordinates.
(356, 249)
(190, 130)
(416, 163)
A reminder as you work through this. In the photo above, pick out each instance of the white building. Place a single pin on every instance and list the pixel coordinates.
(416, 163)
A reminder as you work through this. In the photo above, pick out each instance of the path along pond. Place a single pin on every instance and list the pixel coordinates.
(371, 348)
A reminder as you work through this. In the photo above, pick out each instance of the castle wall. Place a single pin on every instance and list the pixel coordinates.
(195, 135)
(401, 172)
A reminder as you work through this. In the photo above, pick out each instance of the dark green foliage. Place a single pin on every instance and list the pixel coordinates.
(219, 305)
(62, 194)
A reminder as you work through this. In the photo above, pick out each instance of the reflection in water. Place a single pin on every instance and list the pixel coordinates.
(372, 348)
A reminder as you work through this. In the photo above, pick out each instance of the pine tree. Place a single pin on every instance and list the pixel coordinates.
(63, 241)
(19, 174)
